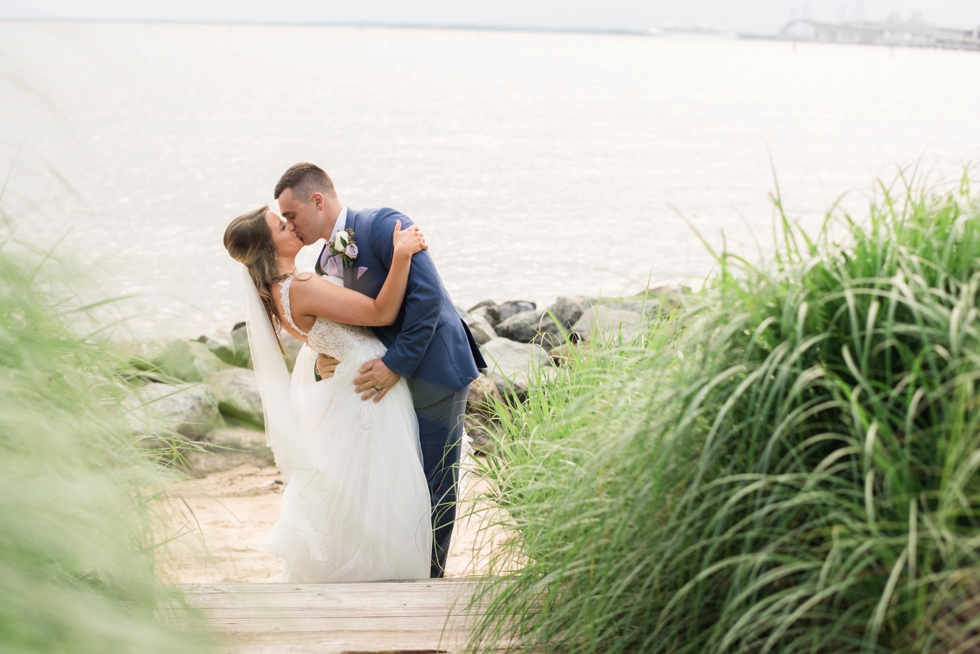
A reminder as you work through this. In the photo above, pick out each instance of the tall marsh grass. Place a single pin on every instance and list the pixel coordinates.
(77, 527)
(788, 465)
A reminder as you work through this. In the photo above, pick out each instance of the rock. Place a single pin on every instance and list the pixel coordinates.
(548, 340)
(237, 394)
(243, 356)
(188, 361)
(481, 328)
(608, 322)
(240, 438)
(239, 343)
(292, 346)
(141, 354)
(510, 365)
(160, 409)
(481, 419)
(488, 309)
(508, 309)
(524, 326)
(220, 346)
(671, 295)
(243, 439)
(646, 309)
(567, 311)
(229, 448)
(480, 433)
(481, 396)
(561, 354)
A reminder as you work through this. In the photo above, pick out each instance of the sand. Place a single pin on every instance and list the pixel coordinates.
(220, 521)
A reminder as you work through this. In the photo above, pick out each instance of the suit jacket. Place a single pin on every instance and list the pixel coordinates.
(429, 344)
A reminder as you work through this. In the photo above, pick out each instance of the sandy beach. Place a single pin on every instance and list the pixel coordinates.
(222, 518)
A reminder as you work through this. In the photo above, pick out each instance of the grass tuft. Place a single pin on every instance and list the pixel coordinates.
(78, 542)
(789, 465)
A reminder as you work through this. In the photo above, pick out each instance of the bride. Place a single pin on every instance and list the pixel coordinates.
(355, 505)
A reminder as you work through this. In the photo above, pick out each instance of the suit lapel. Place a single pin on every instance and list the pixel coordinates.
(350, 274)
(318, 268)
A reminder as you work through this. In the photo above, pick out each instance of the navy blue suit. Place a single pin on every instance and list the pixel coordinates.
(430, 345)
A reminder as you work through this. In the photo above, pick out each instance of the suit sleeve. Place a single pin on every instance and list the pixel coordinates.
(423, 298)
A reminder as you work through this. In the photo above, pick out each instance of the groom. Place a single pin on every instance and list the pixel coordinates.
(428, 344)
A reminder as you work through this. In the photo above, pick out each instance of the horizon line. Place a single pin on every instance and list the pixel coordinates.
(610, 31)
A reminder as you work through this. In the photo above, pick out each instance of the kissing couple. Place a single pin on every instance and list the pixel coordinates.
(369, 450)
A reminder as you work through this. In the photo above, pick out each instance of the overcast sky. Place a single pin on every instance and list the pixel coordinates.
(763, 16)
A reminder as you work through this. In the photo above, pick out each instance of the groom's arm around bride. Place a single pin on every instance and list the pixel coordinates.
(429, 344)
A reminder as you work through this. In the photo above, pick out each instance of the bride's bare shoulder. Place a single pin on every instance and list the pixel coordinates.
(309, 285)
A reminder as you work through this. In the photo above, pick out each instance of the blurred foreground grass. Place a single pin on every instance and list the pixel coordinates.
(788, 465)
(78, 526)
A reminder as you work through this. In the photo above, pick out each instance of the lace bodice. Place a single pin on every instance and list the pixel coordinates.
(349, 344)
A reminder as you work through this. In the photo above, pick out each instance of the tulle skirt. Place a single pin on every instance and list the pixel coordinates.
(356, 508)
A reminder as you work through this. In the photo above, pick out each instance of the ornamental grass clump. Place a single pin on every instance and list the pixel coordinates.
(78, 529)
(789, 465)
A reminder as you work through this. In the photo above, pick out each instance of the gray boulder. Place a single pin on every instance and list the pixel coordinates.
(646, 309)
(481, 418)
(567, 310)
(481, 328)
(650, 304)
(292, 346)
(140, 353)
(524, 326)
(243, 356)
(508, 309)
(488, 309)
(670, 294)
(160, 409)
(550, 341)
(480, 398)
(242, 439)
(239, 344)
(511, 365)
(228, 448)
(220, 345)
(562, 354)
(237, 394)
(607, 322)
(189, 361)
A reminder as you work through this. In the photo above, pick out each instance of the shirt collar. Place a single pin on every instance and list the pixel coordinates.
(341, 223)
(337, 226)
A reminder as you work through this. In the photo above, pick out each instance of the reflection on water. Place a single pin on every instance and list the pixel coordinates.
(538, 164)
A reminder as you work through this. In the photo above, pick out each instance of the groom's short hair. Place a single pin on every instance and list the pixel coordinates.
(305, 179)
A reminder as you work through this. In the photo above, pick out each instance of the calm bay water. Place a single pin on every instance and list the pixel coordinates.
(538, 164)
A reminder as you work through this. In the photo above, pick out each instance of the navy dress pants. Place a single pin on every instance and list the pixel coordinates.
(440, 433)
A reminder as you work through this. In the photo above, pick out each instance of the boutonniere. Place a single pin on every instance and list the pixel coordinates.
(343, 246)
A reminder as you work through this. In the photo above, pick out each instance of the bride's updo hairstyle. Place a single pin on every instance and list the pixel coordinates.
(249, 242)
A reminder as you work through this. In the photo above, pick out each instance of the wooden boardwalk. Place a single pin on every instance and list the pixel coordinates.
(409, 616)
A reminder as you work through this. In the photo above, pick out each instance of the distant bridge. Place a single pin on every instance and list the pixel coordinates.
(893, 32)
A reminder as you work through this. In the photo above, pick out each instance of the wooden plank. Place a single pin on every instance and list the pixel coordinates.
(416, 616)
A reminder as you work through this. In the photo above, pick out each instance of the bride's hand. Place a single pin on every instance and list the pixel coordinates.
(408, 241)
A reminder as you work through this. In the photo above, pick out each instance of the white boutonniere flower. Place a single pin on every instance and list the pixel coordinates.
(345, 247)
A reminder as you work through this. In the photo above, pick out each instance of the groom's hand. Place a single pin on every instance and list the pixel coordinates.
(376, 380)
(325, 366)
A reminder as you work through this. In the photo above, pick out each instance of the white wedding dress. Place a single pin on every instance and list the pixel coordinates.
(355, 505)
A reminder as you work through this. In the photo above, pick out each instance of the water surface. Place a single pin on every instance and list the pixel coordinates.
(538, 164)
